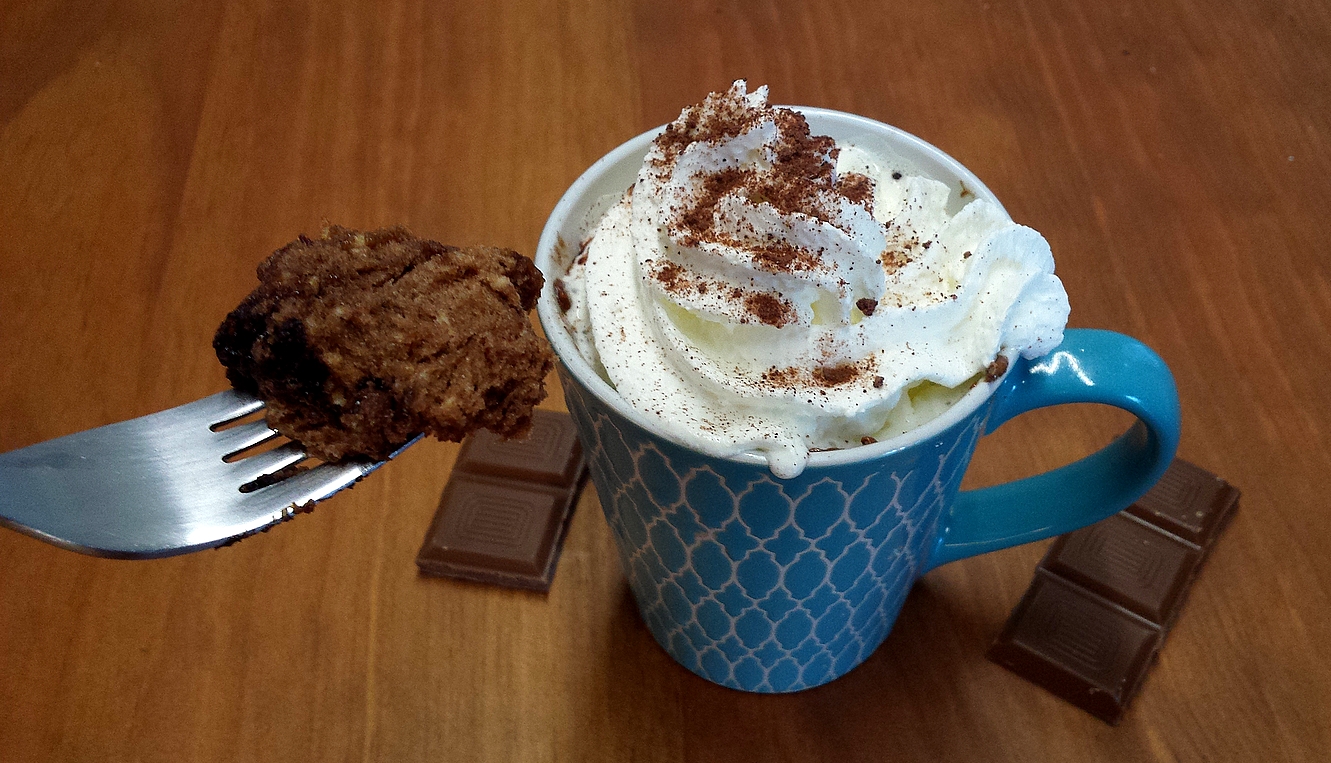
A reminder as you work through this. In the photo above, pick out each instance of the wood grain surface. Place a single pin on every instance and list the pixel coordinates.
(1174, 153)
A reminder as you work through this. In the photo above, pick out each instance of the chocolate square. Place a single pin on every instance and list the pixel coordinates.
(488, 528)
(1104, 597)
(1131, 563)
(1081, 648)
(1188, 501)
(551, 453)
(506, 508)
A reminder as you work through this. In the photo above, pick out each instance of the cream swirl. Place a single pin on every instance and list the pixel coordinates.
(761, 289)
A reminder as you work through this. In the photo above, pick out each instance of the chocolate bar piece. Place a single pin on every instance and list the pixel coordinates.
(506, 507)
(1104, 597)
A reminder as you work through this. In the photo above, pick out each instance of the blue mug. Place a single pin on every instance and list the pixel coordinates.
(775, 585)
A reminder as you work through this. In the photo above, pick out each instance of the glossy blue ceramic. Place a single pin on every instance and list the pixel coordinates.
(773, 585)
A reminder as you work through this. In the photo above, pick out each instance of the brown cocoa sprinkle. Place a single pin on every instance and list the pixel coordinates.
(867, 440)
(718, 117)
(799, 179)
(895, 260)
(833, 376)
(803, 167)
(778, 256)
(856, 187)
(769, 309)
(996, 369)
(877, 382)
(965, 255)
(867, 306)
(896, 175)
(561, 252)
(561, 296)
(671, 276)
(781, 377)
(697, 220)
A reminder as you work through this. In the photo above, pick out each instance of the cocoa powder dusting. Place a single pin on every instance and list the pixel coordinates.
(770, 310)
(833, 376)
(777, 256)
(856, 187)
(697, 219)
(671, 275)
(782, 377)
(718, 117)
(798, 181)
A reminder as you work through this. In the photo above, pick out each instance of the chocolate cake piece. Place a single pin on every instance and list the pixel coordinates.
(358, 341)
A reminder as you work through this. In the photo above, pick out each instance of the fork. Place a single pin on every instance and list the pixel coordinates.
(165, 484)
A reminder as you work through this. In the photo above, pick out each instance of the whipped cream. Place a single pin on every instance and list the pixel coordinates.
(761, 289)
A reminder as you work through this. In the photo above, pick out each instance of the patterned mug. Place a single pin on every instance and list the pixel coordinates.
(776, 585)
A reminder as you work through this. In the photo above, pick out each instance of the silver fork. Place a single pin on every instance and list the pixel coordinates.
(159, 485)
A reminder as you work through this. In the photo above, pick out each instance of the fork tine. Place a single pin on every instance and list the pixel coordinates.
(223, 407)
(314, 485)
(236, 439)
(321, 482)
(253, 467)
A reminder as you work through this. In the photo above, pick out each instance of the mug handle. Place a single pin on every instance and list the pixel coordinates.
(1090, 366)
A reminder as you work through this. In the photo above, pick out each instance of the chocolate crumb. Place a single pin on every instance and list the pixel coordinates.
(867, 306)
(996, 369)
(833, 376)
(877, 382)
(965, 255)
(896, 175)
(867, 440)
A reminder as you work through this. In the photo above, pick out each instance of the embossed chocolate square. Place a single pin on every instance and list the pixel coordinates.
(1079, 647)
(506, 508)
(1104, 597)
(1128, 562)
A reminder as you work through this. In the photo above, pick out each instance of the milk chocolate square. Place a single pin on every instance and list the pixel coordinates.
(1189, 502)
(550, 454)
(1104, 597)
(506, 507)
(1128, 562)
(1081, 648)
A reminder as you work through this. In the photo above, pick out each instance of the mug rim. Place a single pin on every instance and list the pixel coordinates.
(580, 370)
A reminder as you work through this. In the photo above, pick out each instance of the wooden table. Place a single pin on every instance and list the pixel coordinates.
(151, 154)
